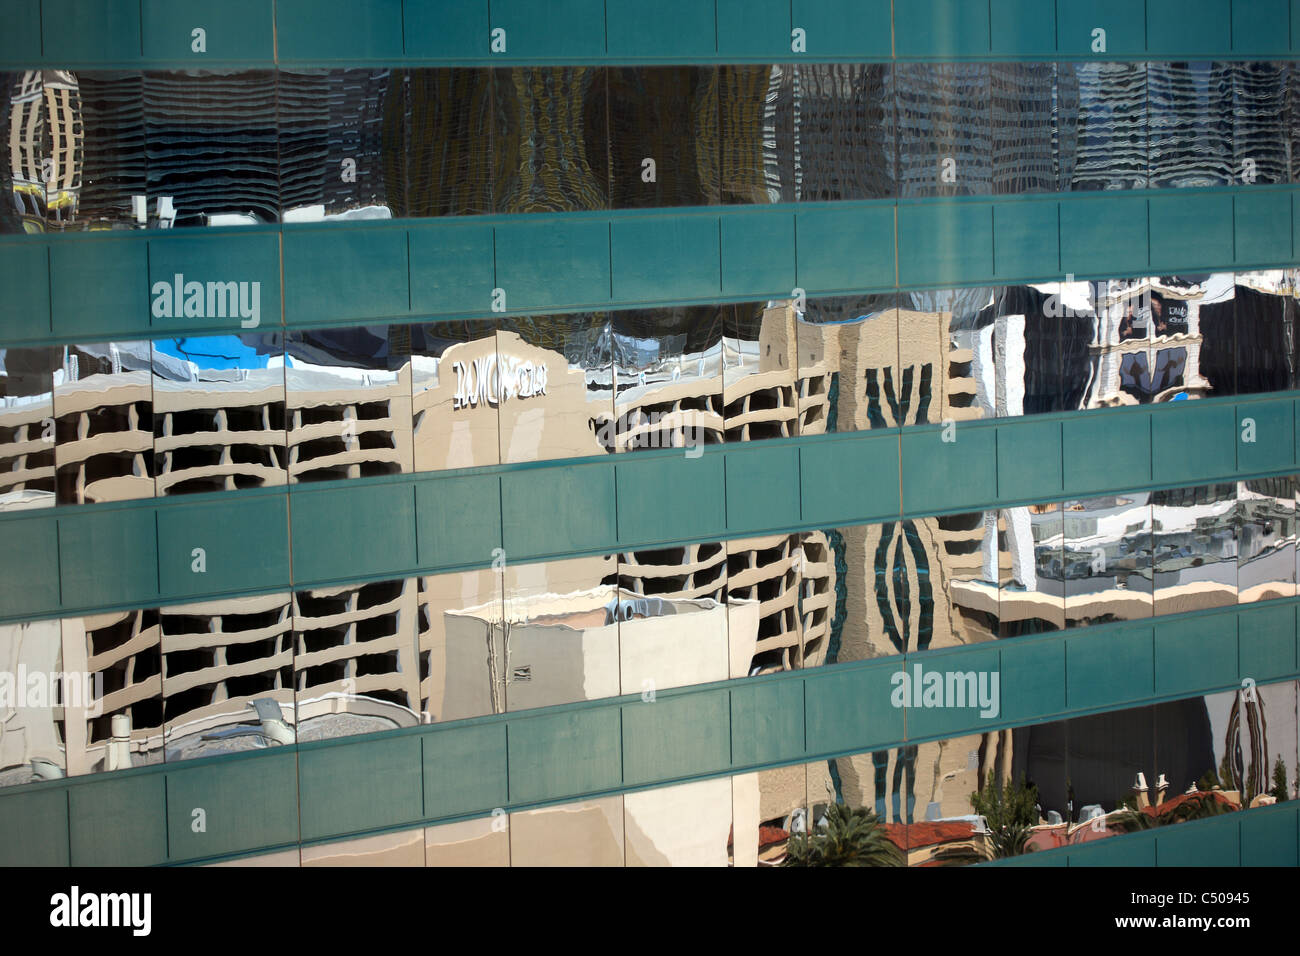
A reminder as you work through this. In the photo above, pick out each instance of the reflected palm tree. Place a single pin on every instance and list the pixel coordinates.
(845, 837)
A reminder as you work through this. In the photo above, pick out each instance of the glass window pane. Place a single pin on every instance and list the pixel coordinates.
(27, 427)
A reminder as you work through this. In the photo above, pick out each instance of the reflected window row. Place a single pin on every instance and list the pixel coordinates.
(953, 802)
(113, 421)
(103, 150)
(129, 688)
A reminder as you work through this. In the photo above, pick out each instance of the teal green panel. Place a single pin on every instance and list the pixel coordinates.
(1269, 838)
(344, 273)
(235, 30)
(108, 557)
(657, 259)
(1107, 451)
(1215, 842)
(1029, 460)
(1295, 26)
(1026, 240)
(1033, 678)
(853, 28)
(1262, 228)
(552, 264)
(849, 481)
(25, 277)
(446, 29)
(754, 28)
(451, 268)
(1191, 232)
(465, 769)
(1123, 21)
(758, 254)
(673, 737)
(848, 708)
(1268, 642)
(1023, 27)
(550, 511)
(1259, 27)
(352, 532)
(1196, 653)
(671, 499)
(1108, 668)
(1130, 849)
(34, 828)
(762, 488)
(1182, 29)
(1274, 435)
(941, 476)
(558, 28)
(566, 754)
(666, 28)
(1192, 441)
(972, 707)
(78, 30)
(245, 542)
(29, 575)
(1104, 236)
(457, 520)
(944, 243)
(99, 287)
(345, 788)
(119, 821)
(1035, 858)
(845, 248)
(21, 39)
(358, 29)
(767, 722)
(226, 791)
(253, 258)
(941, 28)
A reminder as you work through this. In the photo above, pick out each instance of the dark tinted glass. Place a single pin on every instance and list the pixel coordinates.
(663, 136)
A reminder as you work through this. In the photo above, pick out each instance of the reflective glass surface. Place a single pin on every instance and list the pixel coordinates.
(1103, 126)
(668, 376)
(455, 378)
(1106, 561)
(1266, 539)
(849, 380)
(555, 386)
(663, 145)
(445, 135)
(1190, 109)
(461, 650)
(228, 676)
(1023, 118)
(218, 405)
(103, 409)
(211, 154)
(122, 725)
(936, 353)
(1267, 357)
(943, 133)
(355, 659)
(759, 372)
(341, 134)
(34, 730)
(550, 139)
(1196, 547)
(348, 394)
(27, 429)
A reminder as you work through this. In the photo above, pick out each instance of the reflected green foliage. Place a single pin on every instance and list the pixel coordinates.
(1279, 781)
(850, 837)
(1199, 806)
(1009, 812)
